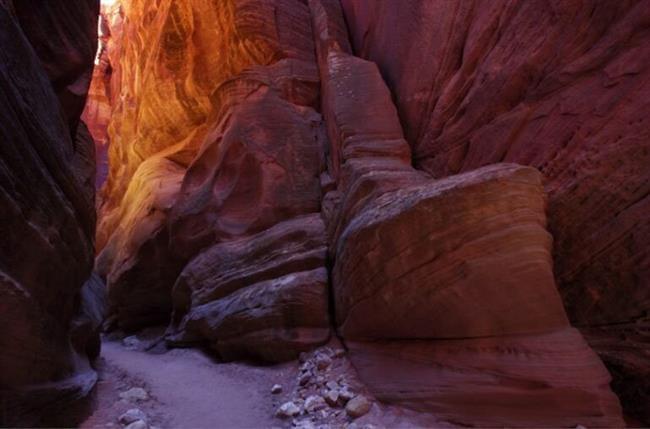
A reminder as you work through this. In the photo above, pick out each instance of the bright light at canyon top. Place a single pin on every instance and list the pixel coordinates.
(108, 2)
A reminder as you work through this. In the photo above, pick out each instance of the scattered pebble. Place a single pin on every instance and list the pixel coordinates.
(304, 424)
(276, 389)
(332, 398)
(132, 415)
(135, 394)
(345, 394)
(323, 361)
(304, 379)
(138, 424)
(314, 403)
(332, 385)
(358, 406)
(288, 409)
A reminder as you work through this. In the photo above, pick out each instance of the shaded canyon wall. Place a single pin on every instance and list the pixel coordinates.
(561, 86)
(50, 305)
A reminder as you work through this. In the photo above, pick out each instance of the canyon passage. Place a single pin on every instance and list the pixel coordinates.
(324, 213)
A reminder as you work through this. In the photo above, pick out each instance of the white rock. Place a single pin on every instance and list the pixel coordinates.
(323, 361)
(132, 415)
(314, 403)
(332, 385)
(138, 424)
(135, 394)
(358, 406)
(276, 389)
(304, 379)
(332, 397)
(288, 409)
(305, 424)
(345, 394)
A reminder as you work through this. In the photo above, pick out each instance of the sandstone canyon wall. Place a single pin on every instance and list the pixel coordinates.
(561, 86)
(50, 305)
(269, 180)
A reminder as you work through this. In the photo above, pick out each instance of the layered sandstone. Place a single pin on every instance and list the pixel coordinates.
(263, 296)
(49, 308)
(444, 274)
(253, 155)
(560, 87)
(213, 138)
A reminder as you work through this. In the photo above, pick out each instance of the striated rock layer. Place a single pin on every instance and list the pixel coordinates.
(563, 87)
(252, 155)
(214, 138)
(49, 308)
(443, 289)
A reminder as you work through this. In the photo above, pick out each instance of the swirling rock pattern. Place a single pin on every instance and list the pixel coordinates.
(49, 309)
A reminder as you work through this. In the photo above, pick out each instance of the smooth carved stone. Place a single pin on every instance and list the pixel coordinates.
(136, 262)
(468, 256)
(543, 380)
(564, 89)
(171, 57)
(263, 296)
(64, 36)
(259, 167)
(273, 320)
(47, 218)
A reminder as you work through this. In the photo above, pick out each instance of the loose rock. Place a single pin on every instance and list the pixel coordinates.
(323, 361)
(332, 398)
(358, 406)
(314, 403)
(138, 424)
(276, 389)
(304, 379)
(288, 409)
(132, 415)
(135, 394)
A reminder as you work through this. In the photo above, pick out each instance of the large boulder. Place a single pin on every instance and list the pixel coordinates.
(263, 296)
(431, 277)
(467, 256)
(564, 89)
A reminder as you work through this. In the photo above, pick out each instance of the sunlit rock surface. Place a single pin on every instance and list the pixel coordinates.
(49, 310)
(214, 136)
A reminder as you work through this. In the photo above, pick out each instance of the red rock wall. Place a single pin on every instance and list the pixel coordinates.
(234, 124)
(50, 308)
(562, 86)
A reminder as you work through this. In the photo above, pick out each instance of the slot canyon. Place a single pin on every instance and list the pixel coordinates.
(324, 213)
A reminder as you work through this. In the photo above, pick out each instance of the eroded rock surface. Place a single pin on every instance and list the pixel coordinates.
(49, 310)
(562, 88)
(263, 296)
